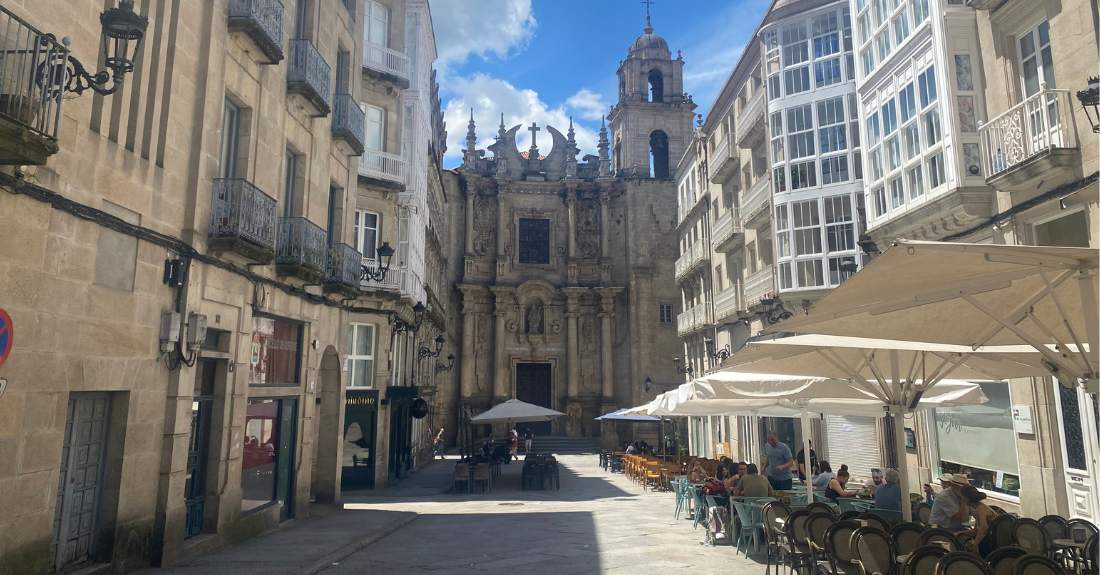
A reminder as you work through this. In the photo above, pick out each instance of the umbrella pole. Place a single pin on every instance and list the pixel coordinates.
(903, 461)
(806, 456)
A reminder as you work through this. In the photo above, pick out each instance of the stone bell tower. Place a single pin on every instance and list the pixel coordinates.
(651, 124)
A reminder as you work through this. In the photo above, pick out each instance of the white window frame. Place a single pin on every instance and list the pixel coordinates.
(360, 232)
(372, 11)
(381, 123)
(230, 140)
(369, 358)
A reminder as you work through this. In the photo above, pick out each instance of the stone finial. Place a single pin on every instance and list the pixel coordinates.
(501, 132)
(605, 157)
(571, 153)
(648, 25)
(470, 155)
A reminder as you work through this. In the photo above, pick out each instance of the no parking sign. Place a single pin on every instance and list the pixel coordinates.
(7, 335)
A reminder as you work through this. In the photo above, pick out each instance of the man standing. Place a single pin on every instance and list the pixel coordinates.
(801, 457)
(948, 508)
(778, 463)
(439, 443)
(527, 437)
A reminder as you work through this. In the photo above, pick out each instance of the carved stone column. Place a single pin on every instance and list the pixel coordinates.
(605, 227)
(503, 237)
(470, 221)
(469, 357)
(607, 316)
(501, 371)
(571, 202)
(572, 311)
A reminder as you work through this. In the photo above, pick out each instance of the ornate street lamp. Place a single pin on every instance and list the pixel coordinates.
(385, 254)
(688, 369)
(1090, 98)
(425, 352)
(400, 325)
(123, 30)
(648, 384)
(717, 356)
(450, 364)
(774, 312)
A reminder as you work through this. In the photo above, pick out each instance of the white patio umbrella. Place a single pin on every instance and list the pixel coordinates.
(779, 395)
(972, 295)
(515, 411)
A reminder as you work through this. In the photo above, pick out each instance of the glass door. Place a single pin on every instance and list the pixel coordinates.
(1037, 74)
(1078, 418)
(284, 487)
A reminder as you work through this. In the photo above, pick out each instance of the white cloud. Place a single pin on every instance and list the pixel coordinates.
(481, 27)
(588, 104)
(489, 97)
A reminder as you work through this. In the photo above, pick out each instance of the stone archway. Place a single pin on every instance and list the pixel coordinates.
(329, 418)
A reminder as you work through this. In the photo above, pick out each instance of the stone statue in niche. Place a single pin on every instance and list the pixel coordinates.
(485, 233)
(534, 318)
(588, 229)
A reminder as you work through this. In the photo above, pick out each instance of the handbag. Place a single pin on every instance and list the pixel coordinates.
(713, 487)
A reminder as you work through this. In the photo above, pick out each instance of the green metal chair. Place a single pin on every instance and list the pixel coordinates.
(751, 526)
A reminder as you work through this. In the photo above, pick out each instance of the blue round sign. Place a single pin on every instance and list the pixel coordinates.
(7, 335)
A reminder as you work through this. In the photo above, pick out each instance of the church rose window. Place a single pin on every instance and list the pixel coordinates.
(534, 241)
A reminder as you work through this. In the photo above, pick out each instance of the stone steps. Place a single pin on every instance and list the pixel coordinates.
(561, 445)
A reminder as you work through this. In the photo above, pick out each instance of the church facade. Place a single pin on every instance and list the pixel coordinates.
(564, 294)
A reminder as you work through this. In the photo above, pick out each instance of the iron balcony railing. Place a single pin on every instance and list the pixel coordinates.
(383, 166)
(385, 60)
(242, 211)
(758, 285)
(344, 266)
(262, 20)
(33, 74)
(302, 243)
(310, 74)
(1039, 123)
(751, 116)
(349, 122)
(727, 226)
(728, 302)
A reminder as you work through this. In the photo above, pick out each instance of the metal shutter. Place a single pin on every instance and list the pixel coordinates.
(853, 441)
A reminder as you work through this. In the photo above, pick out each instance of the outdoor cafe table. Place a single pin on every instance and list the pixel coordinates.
(1074, 548)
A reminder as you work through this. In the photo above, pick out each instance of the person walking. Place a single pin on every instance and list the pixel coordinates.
(513, 445)
(527, 438)
(439, 444)
(778, 463)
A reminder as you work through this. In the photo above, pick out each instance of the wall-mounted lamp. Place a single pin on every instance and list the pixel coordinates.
(385, 255)
(123, 30)
(688, 369)
(648, 384)
(719, 355)
(425, 352)
(450, 364)
(1090, 98)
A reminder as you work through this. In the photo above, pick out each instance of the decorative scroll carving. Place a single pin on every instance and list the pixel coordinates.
(485, 232)
(588, 229)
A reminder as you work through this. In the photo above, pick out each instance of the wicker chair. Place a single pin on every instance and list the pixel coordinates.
(907, 536)
(1092, 555)
(874, 551)
(821, 507)
(773, 516)
(818, 526)
(962, 563)
(923, 512)
(1001, 530)
(1003, 560)
(1031, 537)
(923, 560)
(1031, 564)
(940, 536)
(875, 521)
(838, 548)
(798, 550)
(1055, 526)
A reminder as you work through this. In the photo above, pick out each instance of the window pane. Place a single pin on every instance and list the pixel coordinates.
(534, 241)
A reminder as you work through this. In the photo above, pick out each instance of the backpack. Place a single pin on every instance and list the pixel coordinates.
(713, 487)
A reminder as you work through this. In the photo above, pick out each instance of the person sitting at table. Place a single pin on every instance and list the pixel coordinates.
(948, 508)
(835, 489)
(725, 469)
(824, 476)
(752, 484)
(983, 515)
(696, 474)
(742, 470)
(487, 447)
(888, 495)
(876, 480)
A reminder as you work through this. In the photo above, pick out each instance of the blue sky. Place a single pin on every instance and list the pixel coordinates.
(543, 61)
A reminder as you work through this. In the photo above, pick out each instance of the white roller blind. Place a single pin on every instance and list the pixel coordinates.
(852, 441)
(980, 435)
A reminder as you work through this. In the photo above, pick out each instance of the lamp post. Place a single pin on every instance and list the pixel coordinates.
(439, 367)
(385, 252)
(688, 369)
(1090, 98)
(123, 30)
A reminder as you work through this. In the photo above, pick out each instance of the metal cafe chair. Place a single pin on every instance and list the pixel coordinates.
(1002, 561)
(1030, 536)
(838, 548)
(941, 537)
(907, 536)
(923, 560)
(962, 563)
(874, 551)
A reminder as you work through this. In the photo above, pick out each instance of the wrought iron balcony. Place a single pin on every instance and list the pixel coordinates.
(302, 250)
(262, 22)
(242, 220)
(729, 303)
(727, 228)
(758, 285)
(388, 169)
(344, 270)
(1030, 138)
(33, 74)
(310, 76)
(386, 63)
(392, 281)
(750, 120)
(349, 123)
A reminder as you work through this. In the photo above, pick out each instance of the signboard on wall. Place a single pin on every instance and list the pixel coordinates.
(1021, 419)
(7, 336)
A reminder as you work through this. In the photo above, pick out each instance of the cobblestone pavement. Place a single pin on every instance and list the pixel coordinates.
(597, 522)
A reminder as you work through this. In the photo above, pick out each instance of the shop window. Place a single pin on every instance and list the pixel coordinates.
(276, 352)
(979, 440)
(268, 457)
(1069, 231)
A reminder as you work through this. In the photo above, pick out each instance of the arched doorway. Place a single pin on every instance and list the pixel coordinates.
(329, 418)
(658, 153)
(656, 86)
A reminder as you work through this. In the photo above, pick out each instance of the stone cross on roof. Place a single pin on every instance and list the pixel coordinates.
(534, 129)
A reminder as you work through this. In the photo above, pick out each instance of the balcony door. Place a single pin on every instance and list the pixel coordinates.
(1037, 69)
(366, 234)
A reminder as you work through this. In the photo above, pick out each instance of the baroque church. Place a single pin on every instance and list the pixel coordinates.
(563, 268)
